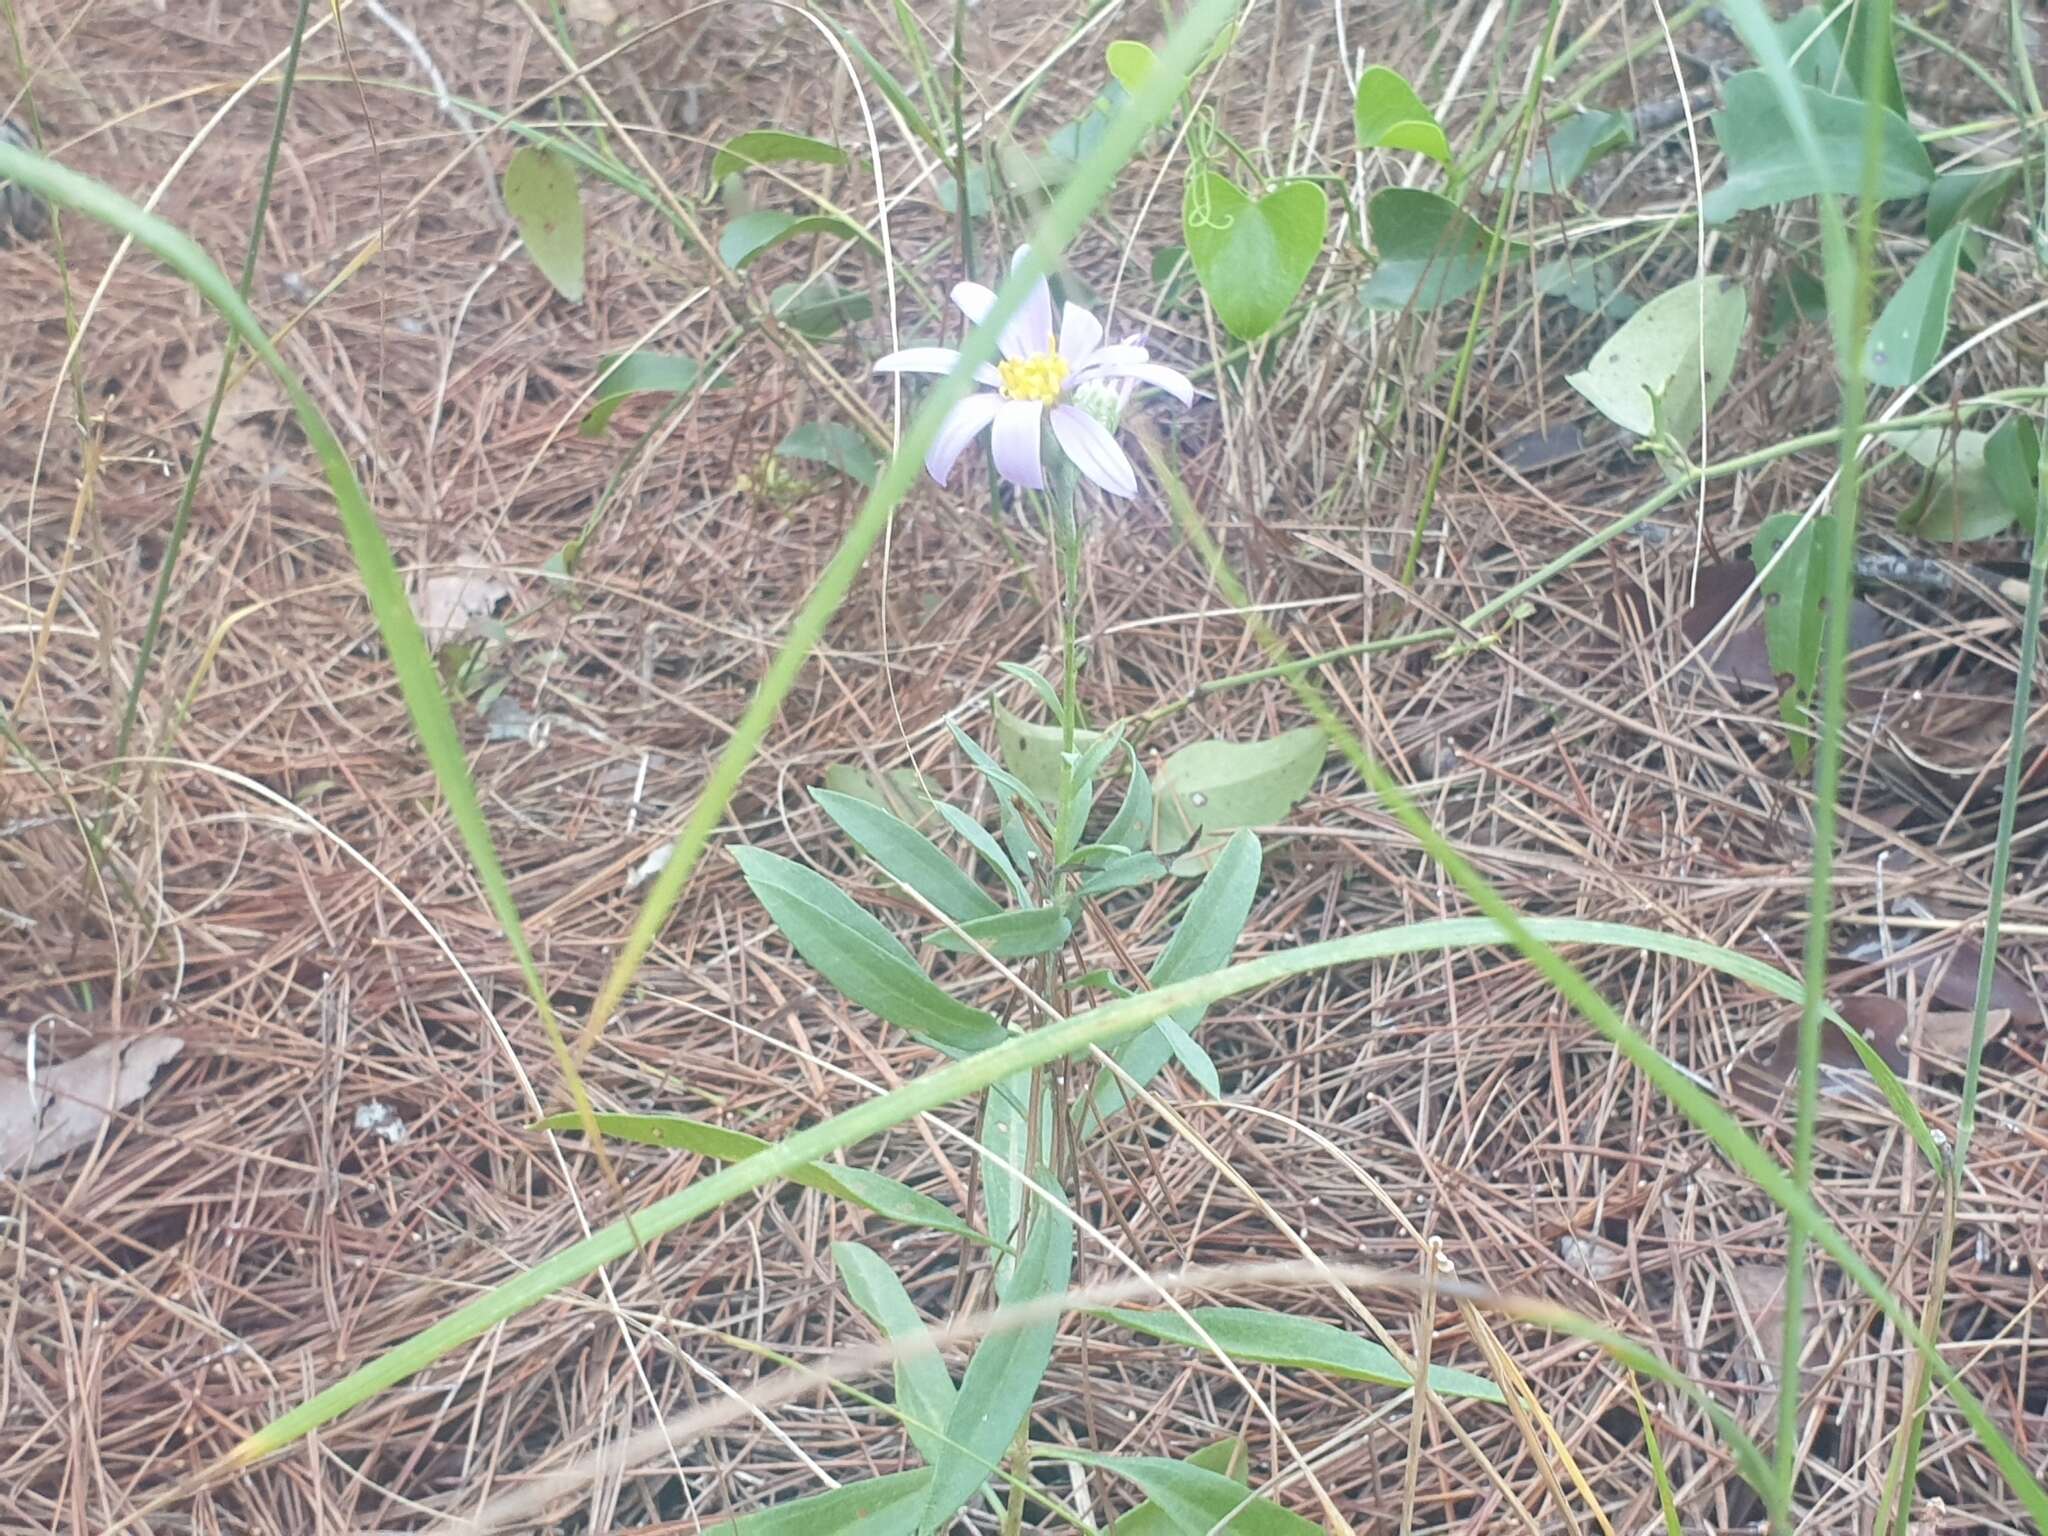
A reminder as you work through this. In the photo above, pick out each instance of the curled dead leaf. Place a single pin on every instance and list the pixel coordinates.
(68, 1102)
(447, 603)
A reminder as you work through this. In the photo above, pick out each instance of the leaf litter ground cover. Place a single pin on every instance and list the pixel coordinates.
(281, 895)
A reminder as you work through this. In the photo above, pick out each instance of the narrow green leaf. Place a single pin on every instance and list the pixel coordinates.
(909, 856)
(1132, 823)
(1000, 779)
(857, 1186)
(771, 146)
(1768, 163)
(752, 233)
(543, 199)
(1431, 252)
(1389, 115)
(892, 89)
(1036, 681)
(1907, 337)
(924, 1387)
(1010, 1146)
(977, 838)
(878, 1506)
(634, 373)
(1009, 935)
(862, 958)
(1219, 786)
(1183, 1498)
(1204, 941)
(1248, 1335)
(1661, 353)
(1252, 258)
(1002, 1379)
(900, 792)
(834, 444)
(1122, 873)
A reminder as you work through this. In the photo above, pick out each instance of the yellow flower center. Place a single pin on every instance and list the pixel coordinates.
(1033, 378)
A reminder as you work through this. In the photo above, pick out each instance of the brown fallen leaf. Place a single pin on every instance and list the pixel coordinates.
(71, 1100)
(1760, 1292)
(445, 604)
(190, 388)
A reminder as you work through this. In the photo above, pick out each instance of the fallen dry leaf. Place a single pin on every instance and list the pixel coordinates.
(446, 604)
(1760, 1289)
(190, 389)
(71, 1100)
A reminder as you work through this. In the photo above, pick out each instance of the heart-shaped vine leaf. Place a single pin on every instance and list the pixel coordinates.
(1431, 251)
(1252, 258)
(1389, 115)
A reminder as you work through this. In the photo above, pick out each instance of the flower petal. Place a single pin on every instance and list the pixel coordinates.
(1094, 451)
(1029, 333)
(1158, 375)
(1013, 443)
(974, 300)
(918, 360)
(1080, 335)
(1107, 362)
(960, 427)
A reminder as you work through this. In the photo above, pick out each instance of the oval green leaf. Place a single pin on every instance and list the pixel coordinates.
(542, 196)
(1662, 351)
(620, 378)
(875, 1506)
(1002, 1379)
(1008, 935)
(1252, 258)
(1767, 159)
(1218, 786)
(835, 445)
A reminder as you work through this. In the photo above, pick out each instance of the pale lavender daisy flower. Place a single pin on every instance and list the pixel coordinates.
(1066, 375)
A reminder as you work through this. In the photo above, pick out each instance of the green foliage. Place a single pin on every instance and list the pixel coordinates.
(1968, 492)
(1431, 252)
(771, 146)
(908, 855)
(747, 236)
(1033, 752)
(817, 309)
(1907, 337)
(835, 445)
(878, 1506)
(857, 1186)
(547, 207)
(1183, 1497)
(1253, 1337)
(620, 378)
(1572, 149)
(1646, 378)
(1389, 115)
(1768, 164)
(1793, 564)
(1252, 257)
(1228, 1459)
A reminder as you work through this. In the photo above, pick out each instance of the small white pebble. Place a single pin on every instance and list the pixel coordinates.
(379, 1119)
